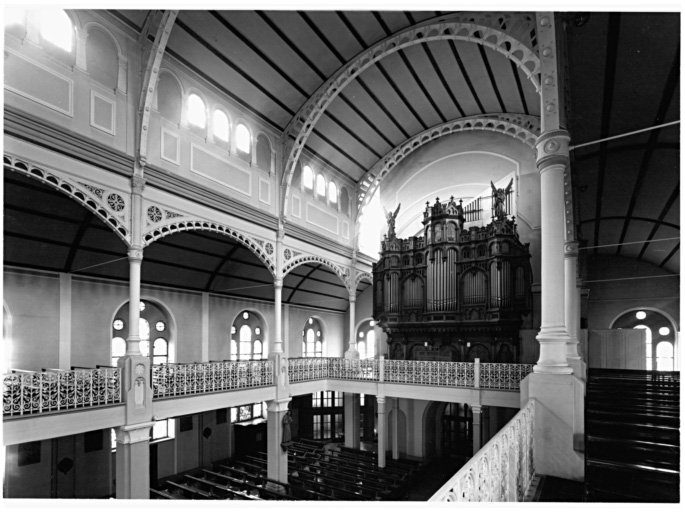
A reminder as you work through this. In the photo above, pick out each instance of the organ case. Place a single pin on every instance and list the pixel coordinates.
(453, 294)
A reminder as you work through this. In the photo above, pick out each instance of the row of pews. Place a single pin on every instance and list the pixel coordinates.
(339, 474)
(315, 472)
(632, 446)
(222, 482)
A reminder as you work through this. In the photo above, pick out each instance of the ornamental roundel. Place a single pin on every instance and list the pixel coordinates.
(287, 254)
(116, 202)
(269, 249)
(154, 214)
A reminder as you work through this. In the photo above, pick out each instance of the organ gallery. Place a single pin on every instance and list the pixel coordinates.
(456, 293)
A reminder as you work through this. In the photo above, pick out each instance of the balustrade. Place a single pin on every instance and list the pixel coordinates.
(189, 379)
(502, 470)
(37, 392)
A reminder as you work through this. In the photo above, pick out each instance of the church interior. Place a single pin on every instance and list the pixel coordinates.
(341, 255)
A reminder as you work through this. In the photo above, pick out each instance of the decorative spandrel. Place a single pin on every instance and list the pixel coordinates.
(460, 290)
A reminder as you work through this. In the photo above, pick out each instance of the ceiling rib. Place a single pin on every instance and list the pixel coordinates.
(671, 200)
(609, 77)
(465, 74)
(491, 76)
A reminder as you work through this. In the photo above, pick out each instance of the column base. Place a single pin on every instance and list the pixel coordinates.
(553, 341)
(559, 423)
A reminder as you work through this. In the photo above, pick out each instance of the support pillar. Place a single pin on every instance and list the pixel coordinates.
(552, 162)
(352, 350)
(572, 313)
(351, 405)
(64, 321)
(278, 307)
(477, 435)
(485, 424)
(395, 428)
(277, 456)
(133, 461)
(382, 430)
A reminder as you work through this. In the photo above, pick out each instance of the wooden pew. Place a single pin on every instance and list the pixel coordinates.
(162, 495)
(190, 492)
(221, 491)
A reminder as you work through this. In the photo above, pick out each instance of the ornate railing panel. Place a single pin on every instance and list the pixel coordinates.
(502, 470)
(38, 392)
(354, 369)
(503, 376)
(190, 379)
(307, 368)
(430, 373)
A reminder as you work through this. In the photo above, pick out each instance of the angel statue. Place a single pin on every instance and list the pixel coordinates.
(390, 217)
(499, 196)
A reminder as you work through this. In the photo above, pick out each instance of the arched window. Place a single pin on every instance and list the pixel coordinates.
(55, 27)
(169, 98)
(321, 186)
(220, 126)
(313, 340)
(102, 58)
(152, 329)
(366, 340)
(248, 412)
(658, 329)
(308, 178)
(263, 153)
(15, 21)
(197, 114)
(332, 193)
(243, 141)
(250, 344)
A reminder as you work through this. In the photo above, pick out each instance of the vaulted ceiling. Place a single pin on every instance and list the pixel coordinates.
(622, 75)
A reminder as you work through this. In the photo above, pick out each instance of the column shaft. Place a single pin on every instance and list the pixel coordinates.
(277, 456)
(351, 404)
(278, 294)
(133, 462)
(382, 430)
(572, 314)
(352, 350)
(552, 163)
(477, 435)
(395, 428)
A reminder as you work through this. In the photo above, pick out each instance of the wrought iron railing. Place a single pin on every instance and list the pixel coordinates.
(38, 392)
(502, 470)
(190, 379)
(315, 368)
(429, 373)
(503, 376)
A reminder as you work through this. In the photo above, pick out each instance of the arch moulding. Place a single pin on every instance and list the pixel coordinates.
(342, 272)
(507, 33)
(525, 129)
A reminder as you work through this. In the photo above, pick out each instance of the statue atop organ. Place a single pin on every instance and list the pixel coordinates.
(454, 293)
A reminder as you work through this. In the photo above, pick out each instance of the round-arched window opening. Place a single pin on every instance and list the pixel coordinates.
(243, 141)
(321, 186)
(249, 343)
(658, 328)
(220, 126)
(160, 326)
(150, 315)
(197, 114)
(367, 347)
(312, 341)
(332, 193)
(308, 177)
(118, 324)
(55, 27)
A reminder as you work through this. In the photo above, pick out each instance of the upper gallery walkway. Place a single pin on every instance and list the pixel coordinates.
(57, 402)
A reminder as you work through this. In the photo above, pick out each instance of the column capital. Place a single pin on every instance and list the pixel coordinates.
(135, 255)
(137, 184)
(552, 149)
(278, 405)
(278, 282)
(571, 249)
(352, 298)
(476, 408)
(130, 434)
(380, 399)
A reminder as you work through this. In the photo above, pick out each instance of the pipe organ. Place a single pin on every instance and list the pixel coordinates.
(455, 293)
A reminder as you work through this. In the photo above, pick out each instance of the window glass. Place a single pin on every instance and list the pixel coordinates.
(197, 115)
(242, 138)
(308, 177)
(118, 324)
(321, 185)
(220, 125)
(55, 26)
(332, 193)
(664, 357)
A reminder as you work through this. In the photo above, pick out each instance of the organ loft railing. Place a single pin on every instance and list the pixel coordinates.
(455, 293)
